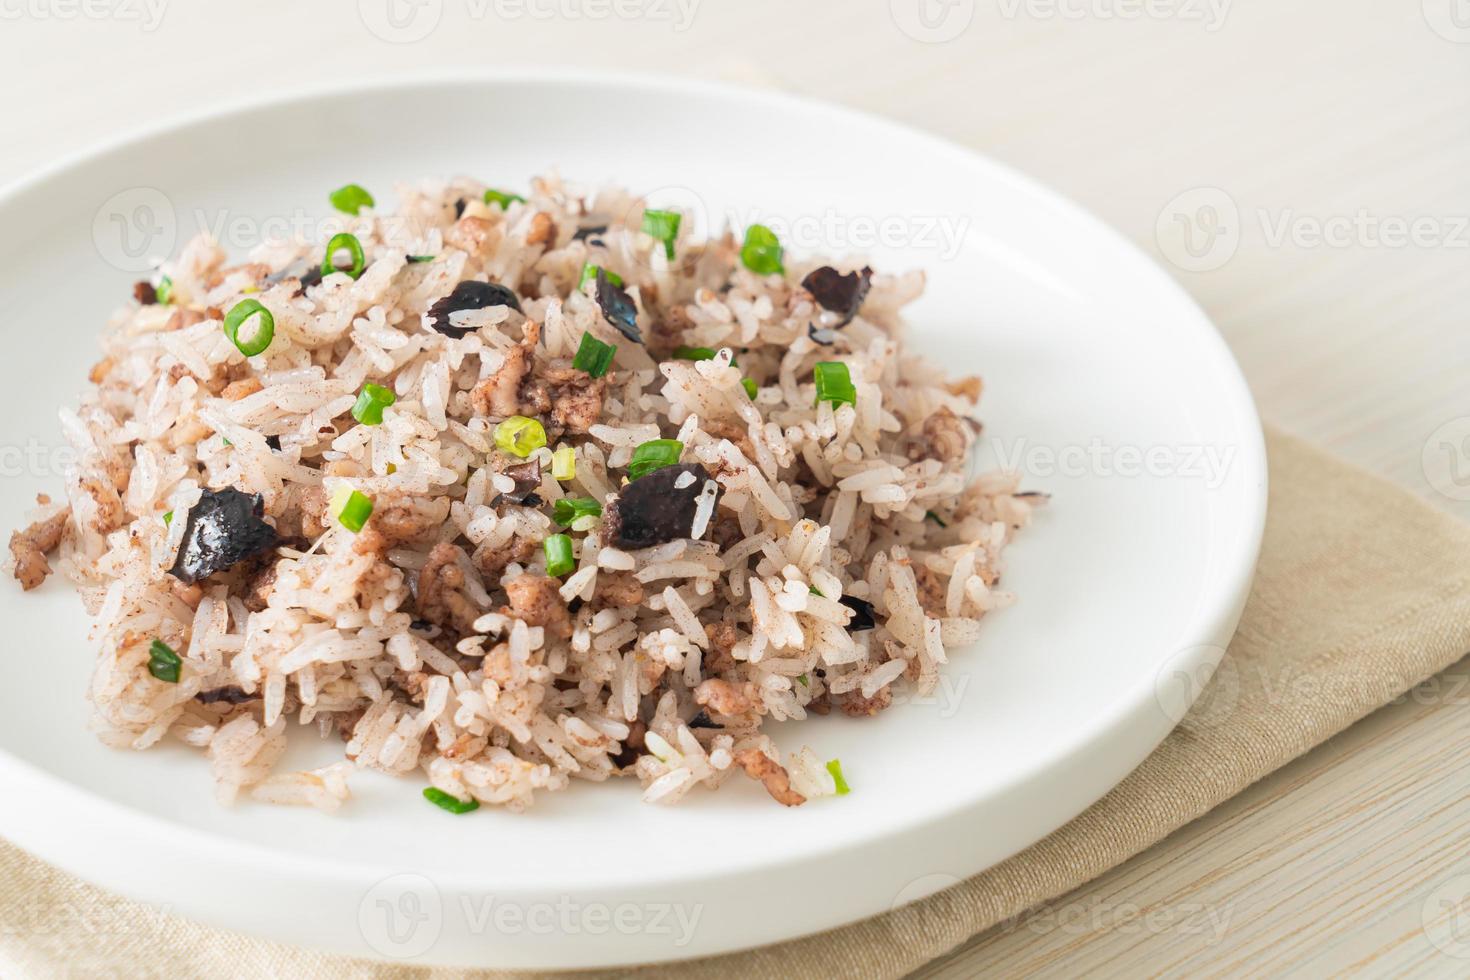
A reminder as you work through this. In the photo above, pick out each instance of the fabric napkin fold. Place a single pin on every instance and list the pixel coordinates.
(1362, 591)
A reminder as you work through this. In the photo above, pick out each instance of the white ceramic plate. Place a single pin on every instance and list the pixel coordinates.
(1103, 380)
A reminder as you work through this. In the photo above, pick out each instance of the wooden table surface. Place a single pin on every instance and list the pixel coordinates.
(1303, 168)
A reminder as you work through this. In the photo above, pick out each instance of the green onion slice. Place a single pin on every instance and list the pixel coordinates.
(564, 463)
(371, 401)
(568, 509)
(663, 226)
(520, 435)
(834, 383)
(265, 327)
(452, 804)
(422, 258)
(168, 518)
(835, 768)
(935, 518)
(750, 387)
(164, 291)
(163, 662)
(654, 455)
(762, 251)
(559, 560)
(351, 199)
(502, 198)
(351, 508)
(590, 271)
(593, 356)
(694, 354)
(353, 247)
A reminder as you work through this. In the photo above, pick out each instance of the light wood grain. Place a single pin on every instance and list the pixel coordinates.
(1310, 110)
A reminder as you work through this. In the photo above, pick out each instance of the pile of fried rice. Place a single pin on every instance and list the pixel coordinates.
(261, 553)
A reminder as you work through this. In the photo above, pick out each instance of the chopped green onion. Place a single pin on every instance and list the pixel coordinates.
(163, 662)
(168, 518)
(750, 387)
(593, 356)
(520, 435)
(762, 252)
(559, 560)
(935, 518)
(590, 271)
(164, 292)
(804, 680)
(568, 509)
(350, 508)
(813, 590)
(502, 198)
(353, 247)
(835, 768)
(693, 354)
(422, 258)
(654, 455)
(453, 804)
(265, 328)
(371, 401)
(834, 383)
(564, 463)
(664, 226)
(351, 199)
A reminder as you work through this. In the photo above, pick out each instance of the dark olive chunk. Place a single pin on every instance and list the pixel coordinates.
(469, 295)
(841, 293)
(223, 529)
(654, 509)
(618, 307)
(862, 614)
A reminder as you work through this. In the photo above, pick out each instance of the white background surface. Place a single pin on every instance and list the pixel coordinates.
(1333, 128)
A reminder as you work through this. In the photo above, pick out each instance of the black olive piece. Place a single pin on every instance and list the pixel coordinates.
(520, 500)
(577, 603)
(582, 234)
(527, 478)
(618, 307)
(822, 336)
(702, 720)
(229, 695)
(653, 510)
(223, 529)
(310, 278)
(862, 614)
(627, 757)
(274, 443)
(469, 295)
(840, 293)
(459, 208)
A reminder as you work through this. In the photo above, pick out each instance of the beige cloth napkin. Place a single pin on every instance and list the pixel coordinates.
(1362, 588)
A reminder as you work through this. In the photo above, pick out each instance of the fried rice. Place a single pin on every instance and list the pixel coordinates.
(437, 518)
